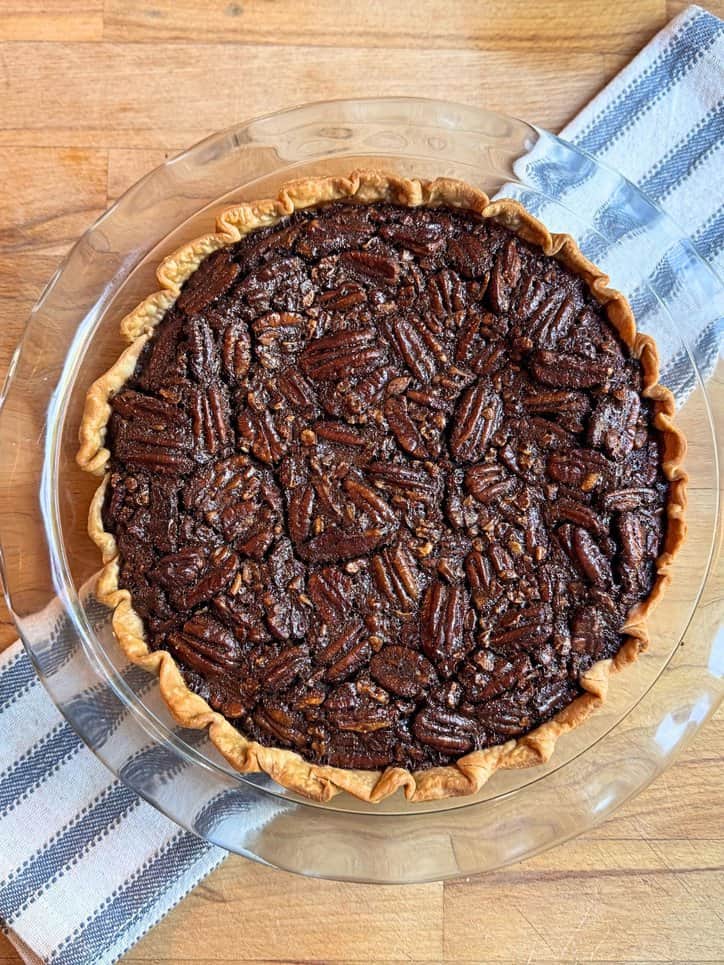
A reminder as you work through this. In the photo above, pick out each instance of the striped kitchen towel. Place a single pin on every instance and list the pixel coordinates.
(86, 868)
(660, 122)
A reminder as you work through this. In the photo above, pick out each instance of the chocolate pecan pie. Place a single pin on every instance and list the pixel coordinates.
(390, 486)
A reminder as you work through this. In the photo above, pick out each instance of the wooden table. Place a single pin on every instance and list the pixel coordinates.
(96, 93)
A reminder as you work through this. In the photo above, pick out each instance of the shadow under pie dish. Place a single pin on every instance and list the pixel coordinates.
(390, 486)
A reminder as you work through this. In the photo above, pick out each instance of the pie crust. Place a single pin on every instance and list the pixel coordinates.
(321, 782)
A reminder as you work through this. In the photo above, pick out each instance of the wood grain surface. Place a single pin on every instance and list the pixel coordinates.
(96, 93)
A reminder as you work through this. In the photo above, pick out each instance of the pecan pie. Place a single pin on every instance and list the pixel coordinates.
(390, 486)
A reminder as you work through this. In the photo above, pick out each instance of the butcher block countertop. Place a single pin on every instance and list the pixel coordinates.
(95, 93)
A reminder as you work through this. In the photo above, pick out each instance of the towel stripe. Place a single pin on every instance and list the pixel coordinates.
(160, 760)
(29, 772)
(163, 904)
(17, 678)
(98, 712)
(62, 645)
(678, 374)
(68, 846)
(63, 641)
(682, 53)
(127, 903)
(683, 159)
(224, 806)
(709, 239)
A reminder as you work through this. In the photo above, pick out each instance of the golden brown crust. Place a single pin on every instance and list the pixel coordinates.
(286, 767)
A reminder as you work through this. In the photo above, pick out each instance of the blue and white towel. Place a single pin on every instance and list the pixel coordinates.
(660, 122)
(86, 867)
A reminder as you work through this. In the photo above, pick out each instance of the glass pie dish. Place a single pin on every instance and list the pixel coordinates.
(653, 709)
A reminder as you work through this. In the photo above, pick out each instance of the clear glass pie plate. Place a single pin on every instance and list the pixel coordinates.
(654, 708)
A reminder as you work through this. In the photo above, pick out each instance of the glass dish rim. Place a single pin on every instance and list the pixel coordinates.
(180, 745)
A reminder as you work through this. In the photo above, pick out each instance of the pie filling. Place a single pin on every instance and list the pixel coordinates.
(384, 485)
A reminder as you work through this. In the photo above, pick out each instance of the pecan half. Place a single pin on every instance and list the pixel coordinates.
(525, 629)
(402, 671)
(412, 345)
(469, 255)
(420, 239)
(444, 730)
(581, 515)
(210, 418)
(345, 653)
(351, 711)
(622, 500)
(330, 590)
(581, 468)
(335, 544)
(445, 293)
(406, 432)
(319, 238)
(397, 577)
(381, 269)
(569, 371)
(283, 668)
(504, 277)
(593, 563)
(489, 483)
(445, 624)
(504, 718)
(205, 645)
(281, 724)
(236, 350)
(407, 482)
(341, 355)
(205, 287)
(260, 434)
(476, 420)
